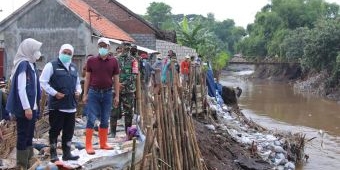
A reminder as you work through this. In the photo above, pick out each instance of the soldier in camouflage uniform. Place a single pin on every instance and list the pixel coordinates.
(127, 90)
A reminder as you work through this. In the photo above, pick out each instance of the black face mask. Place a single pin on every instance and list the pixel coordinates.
(159, 59)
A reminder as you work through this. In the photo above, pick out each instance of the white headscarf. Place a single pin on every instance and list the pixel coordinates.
(66, 46)
(29, 50)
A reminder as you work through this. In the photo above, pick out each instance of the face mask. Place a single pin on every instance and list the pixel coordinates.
(37, 55)
(144, 60)
(159, 59)
(103, 51)
(64, 58)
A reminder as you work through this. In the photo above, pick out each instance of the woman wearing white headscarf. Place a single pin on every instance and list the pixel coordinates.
(60, 80)
(24, 97)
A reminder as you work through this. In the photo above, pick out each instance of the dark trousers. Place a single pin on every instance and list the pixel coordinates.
(126, 106)
(61, 121)
(25, 131)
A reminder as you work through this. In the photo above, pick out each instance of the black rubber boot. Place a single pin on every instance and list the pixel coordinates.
(30, 152)
(53, 152)
(22, 159)
(67, 153)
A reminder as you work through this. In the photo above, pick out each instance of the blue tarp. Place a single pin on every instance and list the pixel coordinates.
(214, 89)
(211, 83)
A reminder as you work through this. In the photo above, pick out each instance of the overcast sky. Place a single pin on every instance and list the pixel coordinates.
(241, 11)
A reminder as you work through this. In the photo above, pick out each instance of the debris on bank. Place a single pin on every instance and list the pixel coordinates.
(118, 158)
(279, 149)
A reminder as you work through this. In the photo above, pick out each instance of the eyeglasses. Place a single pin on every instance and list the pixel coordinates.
(67, 53)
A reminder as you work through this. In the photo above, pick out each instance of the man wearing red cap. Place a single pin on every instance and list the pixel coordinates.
(146, 69)
(185, 67)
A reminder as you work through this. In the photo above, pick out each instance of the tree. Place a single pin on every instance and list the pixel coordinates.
(294, 43)
(224, 30)
(274, 21)
(322, 46)
(219, 63)
(158, 13)
(192, 35)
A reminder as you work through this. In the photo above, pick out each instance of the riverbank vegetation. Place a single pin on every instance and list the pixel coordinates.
(301, 31)
(307, 32)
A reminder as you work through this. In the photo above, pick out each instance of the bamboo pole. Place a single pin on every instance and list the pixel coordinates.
(139, 101)
(133, 153)
(178, 115)
(159, 129)
(145, 152)
(163, 124)
(168, 126)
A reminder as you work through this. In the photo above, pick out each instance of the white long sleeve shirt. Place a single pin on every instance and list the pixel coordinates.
(22, 90)
(45, 79)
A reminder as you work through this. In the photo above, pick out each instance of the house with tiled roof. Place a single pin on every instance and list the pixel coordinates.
(141, 30)
(79, 23)
(56, 22)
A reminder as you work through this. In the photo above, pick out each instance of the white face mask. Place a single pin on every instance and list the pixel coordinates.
(37, 55)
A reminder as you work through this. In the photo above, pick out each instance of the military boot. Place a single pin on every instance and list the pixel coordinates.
(113, 127)
(53, 152)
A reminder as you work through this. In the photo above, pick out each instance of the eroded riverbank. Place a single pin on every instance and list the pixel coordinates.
(276, 106)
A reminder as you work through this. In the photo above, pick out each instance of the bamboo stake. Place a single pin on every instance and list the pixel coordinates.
(139, 101)
(133, 153)
(175, 113)
(145, 152)
(163, 118)
(168, 126)
(159, 128)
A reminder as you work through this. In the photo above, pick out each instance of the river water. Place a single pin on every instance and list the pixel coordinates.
(277, 106)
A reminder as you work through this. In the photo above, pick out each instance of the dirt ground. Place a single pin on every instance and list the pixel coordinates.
(221, 152)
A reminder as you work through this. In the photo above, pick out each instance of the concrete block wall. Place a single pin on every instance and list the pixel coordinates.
(145, 40)
(181, 51)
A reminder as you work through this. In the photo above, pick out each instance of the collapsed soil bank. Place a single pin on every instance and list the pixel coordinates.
(309, 82)
(221, 152)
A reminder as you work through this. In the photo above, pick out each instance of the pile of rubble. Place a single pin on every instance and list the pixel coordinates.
(280, 150)
(118, 158)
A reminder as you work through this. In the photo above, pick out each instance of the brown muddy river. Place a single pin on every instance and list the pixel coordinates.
(277, 106)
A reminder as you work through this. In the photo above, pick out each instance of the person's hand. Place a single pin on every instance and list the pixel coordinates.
(116, 101)
(121, 86)
(59, 95)
(77, 94)
(85, 98)
(12, 117)
(28, 114)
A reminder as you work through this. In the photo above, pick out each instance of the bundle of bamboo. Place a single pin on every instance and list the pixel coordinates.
(171, 143)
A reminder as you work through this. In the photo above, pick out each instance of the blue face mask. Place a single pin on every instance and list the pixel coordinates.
(64, 58)
(103, 51)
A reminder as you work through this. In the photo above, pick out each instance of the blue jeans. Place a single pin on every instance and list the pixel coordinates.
(99, 107)
(85, 110)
